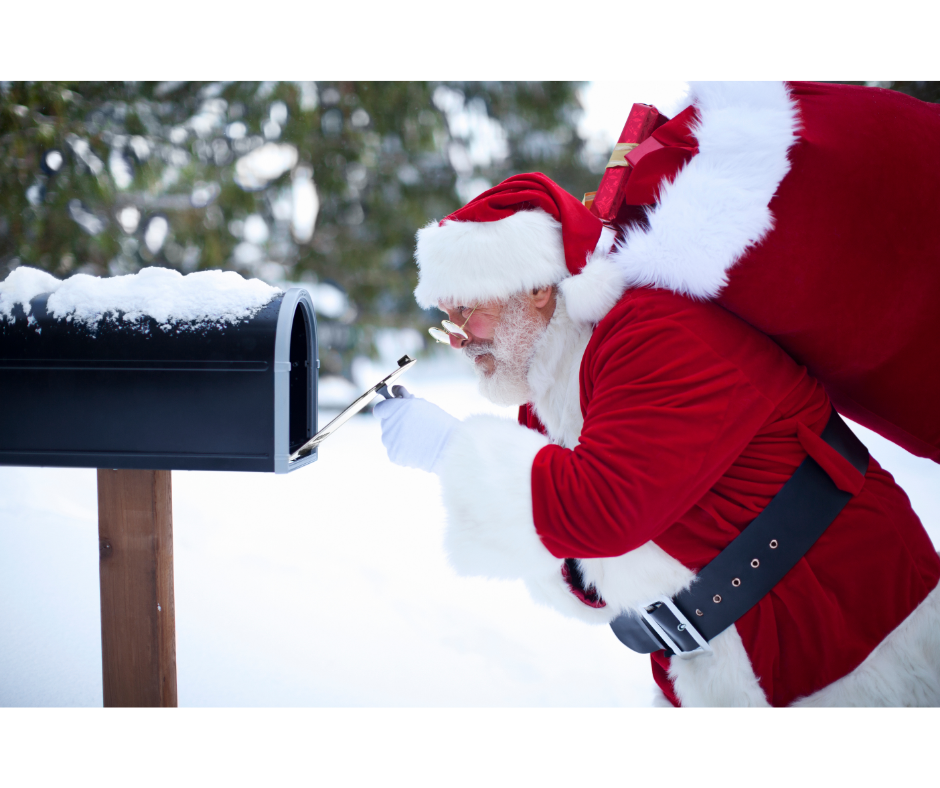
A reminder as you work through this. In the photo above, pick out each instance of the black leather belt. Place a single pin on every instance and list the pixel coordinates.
(748, 568)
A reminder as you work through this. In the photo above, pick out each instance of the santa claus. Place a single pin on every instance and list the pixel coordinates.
(674, 472)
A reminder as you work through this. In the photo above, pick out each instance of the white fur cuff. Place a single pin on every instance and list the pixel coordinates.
(485, 475)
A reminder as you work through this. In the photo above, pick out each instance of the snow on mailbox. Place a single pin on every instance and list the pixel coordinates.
(156, 370)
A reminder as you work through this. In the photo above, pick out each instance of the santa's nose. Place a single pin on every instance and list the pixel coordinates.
(457, 342)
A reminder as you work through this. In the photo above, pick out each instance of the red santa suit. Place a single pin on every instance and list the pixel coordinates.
(669, 428)
(661, 426)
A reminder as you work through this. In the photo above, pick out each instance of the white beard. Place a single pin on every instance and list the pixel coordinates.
(512, 348)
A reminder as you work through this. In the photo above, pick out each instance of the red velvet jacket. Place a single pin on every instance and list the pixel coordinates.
(693, 421)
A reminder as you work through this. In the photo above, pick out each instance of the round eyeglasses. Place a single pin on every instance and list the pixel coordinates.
(451, 330)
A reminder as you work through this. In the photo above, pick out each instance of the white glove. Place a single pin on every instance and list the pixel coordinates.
(414, 431)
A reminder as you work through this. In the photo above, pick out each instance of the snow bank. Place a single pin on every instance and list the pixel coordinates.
(165, 295)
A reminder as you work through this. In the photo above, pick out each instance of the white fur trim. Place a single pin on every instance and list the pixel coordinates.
(485, 474)
(554, 375)
(636, 578)
(903, 670)
(552, 591)
(592, 293)
(717, 206)
(724, 678)
(488, 261)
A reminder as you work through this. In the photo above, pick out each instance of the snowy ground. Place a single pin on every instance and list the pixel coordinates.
(325, 587)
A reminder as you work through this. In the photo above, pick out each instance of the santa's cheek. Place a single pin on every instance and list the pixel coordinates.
(482, 327)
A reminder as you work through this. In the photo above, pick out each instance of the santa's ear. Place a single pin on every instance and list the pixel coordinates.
(542, 295)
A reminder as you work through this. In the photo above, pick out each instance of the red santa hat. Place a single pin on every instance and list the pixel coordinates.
(525, 233)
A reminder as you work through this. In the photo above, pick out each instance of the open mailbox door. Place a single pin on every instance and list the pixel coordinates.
(383, 387)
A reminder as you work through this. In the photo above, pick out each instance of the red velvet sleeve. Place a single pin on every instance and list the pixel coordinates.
(666, 414)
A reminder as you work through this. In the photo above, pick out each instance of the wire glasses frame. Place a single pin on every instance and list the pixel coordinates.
(450, 330)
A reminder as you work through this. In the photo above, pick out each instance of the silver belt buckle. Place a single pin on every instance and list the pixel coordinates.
(684, 624)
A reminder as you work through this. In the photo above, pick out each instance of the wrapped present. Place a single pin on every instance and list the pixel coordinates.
(607, 202)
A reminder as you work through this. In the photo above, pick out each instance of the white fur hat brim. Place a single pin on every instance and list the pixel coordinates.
(476, 262)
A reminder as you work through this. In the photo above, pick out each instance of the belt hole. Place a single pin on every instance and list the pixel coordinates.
(755, 563)
(716, 599)
(736, 582)
(699, 613)
(773, 544)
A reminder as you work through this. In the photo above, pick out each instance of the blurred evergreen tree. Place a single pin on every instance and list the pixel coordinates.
(287, 181)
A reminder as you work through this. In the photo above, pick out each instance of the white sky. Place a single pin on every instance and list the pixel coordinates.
(607, 104)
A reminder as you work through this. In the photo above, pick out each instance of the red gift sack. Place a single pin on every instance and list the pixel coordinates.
(812, 211)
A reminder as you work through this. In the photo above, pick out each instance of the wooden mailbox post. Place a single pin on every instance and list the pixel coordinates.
(138, 618)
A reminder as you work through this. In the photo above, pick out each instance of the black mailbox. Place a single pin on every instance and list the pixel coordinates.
(213, 396)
